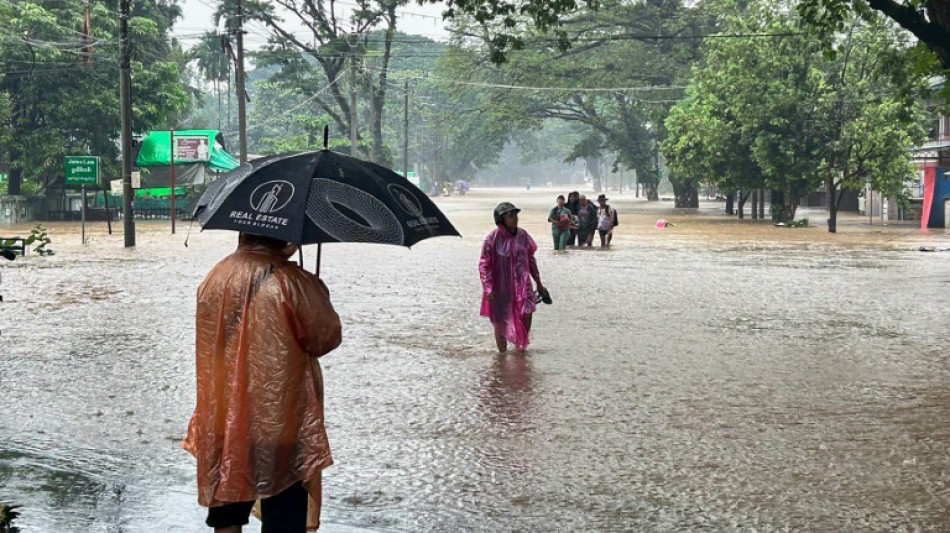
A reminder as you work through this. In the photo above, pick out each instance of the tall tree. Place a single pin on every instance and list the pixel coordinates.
(327, 48)
(618, 80)
(213, 64)
(58, 83)
(775, 112)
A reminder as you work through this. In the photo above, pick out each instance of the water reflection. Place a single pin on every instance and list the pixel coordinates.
(505, 391)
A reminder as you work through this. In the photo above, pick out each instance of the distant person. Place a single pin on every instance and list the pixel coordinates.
(606, 220)
(586, 221)
(257, 431)
(560, 219)
(571, 204)
(573, 201)
(506, 268)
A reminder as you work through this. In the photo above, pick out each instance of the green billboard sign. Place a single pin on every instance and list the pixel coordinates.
(82, 170)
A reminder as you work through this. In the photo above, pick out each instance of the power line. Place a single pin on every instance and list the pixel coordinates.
(608, 37)
(291, 110)
(70, 46)
(398, 11)
(535, 88)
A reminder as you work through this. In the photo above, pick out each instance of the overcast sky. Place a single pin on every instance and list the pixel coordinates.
(415, 19)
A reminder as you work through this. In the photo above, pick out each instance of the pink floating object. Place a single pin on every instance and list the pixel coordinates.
(661, 223)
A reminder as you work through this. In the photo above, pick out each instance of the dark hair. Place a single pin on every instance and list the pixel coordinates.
(560, 197)
(260, 240)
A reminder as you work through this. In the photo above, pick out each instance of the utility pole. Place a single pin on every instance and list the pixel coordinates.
(241, 92)
(125, 98)
(353, 126)
(171, 167)
(405, 131)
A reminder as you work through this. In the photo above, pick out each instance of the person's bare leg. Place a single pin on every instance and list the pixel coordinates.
(501, 342)
(526, 320)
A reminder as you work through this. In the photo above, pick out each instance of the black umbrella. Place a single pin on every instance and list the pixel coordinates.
(318, 197)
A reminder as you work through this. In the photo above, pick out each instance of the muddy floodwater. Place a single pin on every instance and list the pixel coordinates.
(712, 376)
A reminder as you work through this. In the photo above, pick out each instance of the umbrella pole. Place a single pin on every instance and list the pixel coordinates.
(300, 255)
(319, 253)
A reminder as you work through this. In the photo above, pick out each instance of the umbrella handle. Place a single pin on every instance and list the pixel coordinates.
(319, 254)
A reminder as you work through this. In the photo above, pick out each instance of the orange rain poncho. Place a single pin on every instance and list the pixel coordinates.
(258, 427)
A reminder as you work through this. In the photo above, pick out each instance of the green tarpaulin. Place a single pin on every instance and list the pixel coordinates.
(204, 146)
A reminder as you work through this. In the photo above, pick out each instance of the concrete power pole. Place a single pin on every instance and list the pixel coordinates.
(125, 102)
(405, 132)
(354, 128)
(241, 91)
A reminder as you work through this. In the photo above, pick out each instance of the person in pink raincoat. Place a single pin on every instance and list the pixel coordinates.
(506, 268)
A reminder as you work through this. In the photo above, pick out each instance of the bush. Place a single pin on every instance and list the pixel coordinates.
(8, 514)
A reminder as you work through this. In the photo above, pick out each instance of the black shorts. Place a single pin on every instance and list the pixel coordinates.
(284, 513)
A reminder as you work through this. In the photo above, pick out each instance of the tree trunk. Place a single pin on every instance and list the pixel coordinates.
(684, 193)
(778, 206)
(15, 178)
(742, 200)
(755, 204)
(376, 128)
(832, 204)
(930, 25)
(593, 166)
(217, 92)
(783, 209)
(730, 204)
(229, 100)
(378, 99)
(653, 194)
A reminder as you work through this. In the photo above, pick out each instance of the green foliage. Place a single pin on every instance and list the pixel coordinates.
(58, 98)
(39, 235)
(777, 113)
(468, 126)
(615, 47)
(928, 20)
(504, 21)
(8, 513)
(801, 223)
(328, 56)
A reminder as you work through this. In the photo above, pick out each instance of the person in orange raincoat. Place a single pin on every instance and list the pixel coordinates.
(257, 431)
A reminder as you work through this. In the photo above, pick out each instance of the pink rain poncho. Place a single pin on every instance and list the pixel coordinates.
(506, 268)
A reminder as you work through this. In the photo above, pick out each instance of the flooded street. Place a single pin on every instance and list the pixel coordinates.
(713, 376)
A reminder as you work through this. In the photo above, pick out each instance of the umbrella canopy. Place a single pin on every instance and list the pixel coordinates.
(319, 197)
(462, 184)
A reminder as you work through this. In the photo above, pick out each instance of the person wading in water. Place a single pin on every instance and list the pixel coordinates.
(506, 268)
